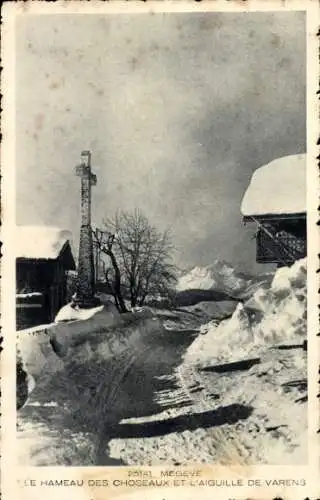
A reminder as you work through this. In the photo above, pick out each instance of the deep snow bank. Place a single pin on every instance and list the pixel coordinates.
(102, 380)
(275, 315)
(38, 347)
(80, 334)
(89, 359)
(74, 313)
(36, 353)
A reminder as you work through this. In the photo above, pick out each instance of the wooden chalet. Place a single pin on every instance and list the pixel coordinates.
(276, 202)
(43, 258)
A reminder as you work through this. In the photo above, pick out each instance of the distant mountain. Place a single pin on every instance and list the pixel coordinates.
(219, 279)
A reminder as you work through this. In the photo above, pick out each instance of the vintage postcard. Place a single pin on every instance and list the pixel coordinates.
(160, 250)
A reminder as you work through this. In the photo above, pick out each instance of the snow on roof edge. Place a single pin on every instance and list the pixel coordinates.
(277, 188)
(40, 242)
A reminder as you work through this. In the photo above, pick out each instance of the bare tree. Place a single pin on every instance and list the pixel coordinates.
(142, 255)
(104, 241)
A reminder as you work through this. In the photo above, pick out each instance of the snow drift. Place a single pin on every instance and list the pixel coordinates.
(83, 349)
(85, 334)
(272, 381)
(276, 315)
(88, 368)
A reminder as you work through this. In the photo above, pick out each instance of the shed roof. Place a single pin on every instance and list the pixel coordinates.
(41, 242)
(278, 188)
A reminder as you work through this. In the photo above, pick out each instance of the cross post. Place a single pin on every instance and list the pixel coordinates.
(85, 297)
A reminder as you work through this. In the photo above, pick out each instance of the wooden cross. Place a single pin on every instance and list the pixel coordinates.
(85, 285)
(88, 179)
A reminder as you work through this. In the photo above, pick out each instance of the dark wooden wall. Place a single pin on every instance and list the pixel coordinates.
(47, 277)
(281, 241)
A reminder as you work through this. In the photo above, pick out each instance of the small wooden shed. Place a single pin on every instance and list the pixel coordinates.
(276, 202)
(43, 258)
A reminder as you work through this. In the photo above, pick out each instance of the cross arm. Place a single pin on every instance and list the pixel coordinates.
(84, 171)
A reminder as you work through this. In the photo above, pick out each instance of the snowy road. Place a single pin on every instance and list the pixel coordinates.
(242, 417)
(146, 406)
(91, 398)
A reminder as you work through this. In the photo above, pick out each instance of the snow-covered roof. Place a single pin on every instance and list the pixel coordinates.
(277, 188)
(40, 242)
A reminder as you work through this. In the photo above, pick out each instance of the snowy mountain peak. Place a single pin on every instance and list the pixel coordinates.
(220, 275)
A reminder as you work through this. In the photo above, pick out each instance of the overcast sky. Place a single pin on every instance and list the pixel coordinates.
(177, 109)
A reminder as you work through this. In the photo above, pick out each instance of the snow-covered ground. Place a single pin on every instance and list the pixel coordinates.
(242, 415)
(74, 313)
(164, 387)
(274, 315)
